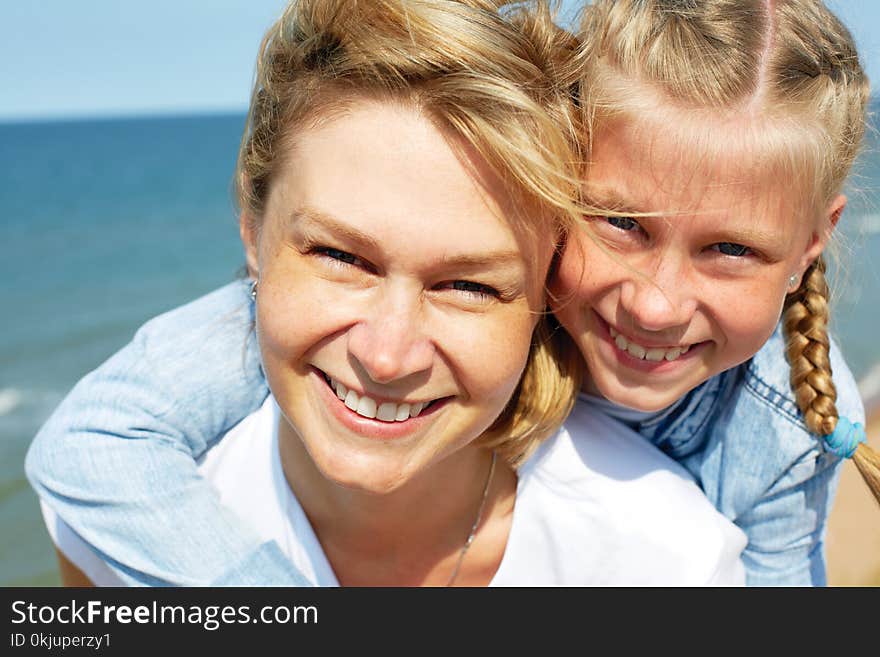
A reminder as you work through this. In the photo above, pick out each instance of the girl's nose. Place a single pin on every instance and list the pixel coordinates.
(663, 299)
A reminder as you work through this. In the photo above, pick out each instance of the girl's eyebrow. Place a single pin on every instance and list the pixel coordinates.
(762, 239)
(610, 199)
(607, 198)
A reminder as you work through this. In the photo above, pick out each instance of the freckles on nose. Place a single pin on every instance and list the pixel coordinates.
(389, 350)
(654, 307)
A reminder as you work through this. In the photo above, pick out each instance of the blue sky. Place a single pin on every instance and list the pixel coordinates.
(61, 59)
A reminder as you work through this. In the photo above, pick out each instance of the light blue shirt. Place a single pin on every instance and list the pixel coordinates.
(116, 461)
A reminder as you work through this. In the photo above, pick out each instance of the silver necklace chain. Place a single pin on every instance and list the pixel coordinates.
(473, 532)
(464, 548)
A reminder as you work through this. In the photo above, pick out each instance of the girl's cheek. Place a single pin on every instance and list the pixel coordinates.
(747, 322)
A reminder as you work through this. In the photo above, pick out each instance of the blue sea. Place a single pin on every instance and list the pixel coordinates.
(108, 223)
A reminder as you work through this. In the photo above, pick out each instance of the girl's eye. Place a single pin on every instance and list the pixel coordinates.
(623, 223)
(732, 249)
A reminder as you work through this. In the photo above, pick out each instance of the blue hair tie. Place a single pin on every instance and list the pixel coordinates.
(846, 438)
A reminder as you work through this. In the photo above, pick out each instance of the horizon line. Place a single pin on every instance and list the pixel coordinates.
(123, 115)
(160, 113)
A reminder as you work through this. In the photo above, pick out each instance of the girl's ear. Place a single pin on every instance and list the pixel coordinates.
(832, 215)
(247, 228)
(819, 238)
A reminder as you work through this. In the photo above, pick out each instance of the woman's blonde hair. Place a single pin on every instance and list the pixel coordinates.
(790, 66)
(494, 76)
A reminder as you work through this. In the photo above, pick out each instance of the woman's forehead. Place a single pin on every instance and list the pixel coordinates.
(388, 171)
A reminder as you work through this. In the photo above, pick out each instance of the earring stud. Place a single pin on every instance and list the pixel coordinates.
(792, 281)
(253, 291)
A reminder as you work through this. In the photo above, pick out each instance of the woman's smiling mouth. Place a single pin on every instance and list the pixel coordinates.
(387, 411)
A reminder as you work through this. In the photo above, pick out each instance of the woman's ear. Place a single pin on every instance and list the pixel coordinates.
(819, 238)
(247, 228)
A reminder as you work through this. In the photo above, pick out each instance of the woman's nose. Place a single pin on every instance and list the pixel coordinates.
(391, 343)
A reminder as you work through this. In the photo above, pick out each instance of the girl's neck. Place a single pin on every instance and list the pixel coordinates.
(413, 535)
(590, 388)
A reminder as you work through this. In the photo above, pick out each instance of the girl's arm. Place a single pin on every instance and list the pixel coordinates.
(786, 526)
(764, 469)
(117, 459)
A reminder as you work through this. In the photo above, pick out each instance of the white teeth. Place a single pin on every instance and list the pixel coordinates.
(402, 413)
(654, 354)
(636, 350)
(367, 407)
(672, 354)
(387, 412)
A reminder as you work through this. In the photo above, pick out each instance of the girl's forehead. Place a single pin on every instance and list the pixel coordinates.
(686, 157)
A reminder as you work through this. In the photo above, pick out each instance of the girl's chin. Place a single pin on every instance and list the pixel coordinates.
(637, 397)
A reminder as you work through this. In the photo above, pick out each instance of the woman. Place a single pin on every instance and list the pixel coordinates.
(403, 180)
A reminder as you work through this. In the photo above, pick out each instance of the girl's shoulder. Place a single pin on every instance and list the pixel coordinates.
(752, 405)
(766, 383)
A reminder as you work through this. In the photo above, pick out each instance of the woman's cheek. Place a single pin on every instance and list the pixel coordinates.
(292, 318)
(489, 356)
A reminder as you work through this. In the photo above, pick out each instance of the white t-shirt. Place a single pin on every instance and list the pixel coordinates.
(595, 505)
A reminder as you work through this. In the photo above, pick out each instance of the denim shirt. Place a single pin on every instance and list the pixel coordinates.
(117, 459)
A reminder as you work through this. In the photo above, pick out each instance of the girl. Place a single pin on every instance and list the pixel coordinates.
(735, 426)
(721, 136)
(395, 324)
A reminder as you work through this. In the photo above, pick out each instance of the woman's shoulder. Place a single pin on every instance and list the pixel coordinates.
(604, 506)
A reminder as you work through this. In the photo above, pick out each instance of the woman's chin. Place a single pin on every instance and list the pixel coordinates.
(365, 476)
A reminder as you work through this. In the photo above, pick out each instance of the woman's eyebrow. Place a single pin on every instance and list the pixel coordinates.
(312, 219)
(481, 260)
(309, 219)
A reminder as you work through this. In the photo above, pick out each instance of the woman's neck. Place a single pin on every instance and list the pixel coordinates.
(413, 535)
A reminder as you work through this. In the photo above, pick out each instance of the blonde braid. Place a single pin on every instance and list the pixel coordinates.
(805, 325)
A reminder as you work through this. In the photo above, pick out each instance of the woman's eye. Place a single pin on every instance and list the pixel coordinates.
(623, 223)
(731, 249)
(477, 290)
(338, 255)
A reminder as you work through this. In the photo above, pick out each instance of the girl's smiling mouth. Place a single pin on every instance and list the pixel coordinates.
(651, 358)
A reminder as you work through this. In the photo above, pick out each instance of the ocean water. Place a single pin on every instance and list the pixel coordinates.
(108, 223)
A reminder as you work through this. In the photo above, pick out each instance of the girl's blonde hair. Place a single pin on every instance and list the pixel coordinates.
(790, 64)
(492, 76)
